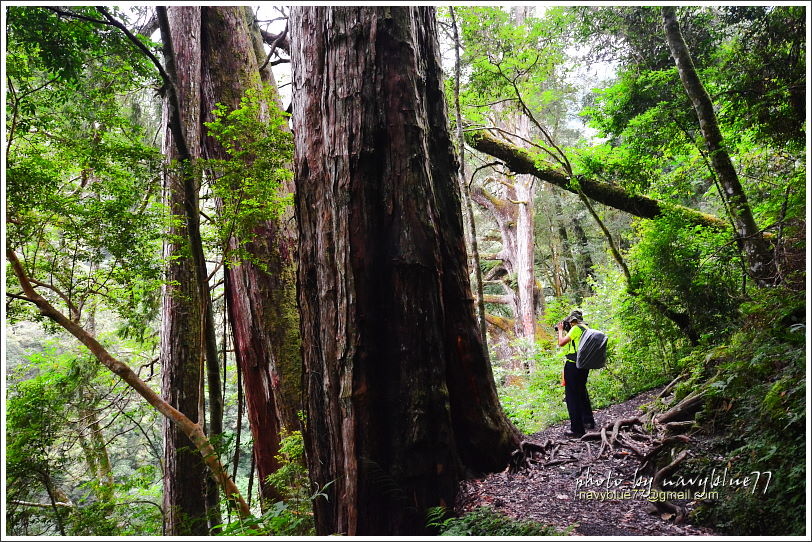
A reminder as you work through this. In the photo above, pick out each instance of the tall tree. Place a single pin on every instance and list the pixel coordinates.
(183, 321)
(260, 289)
(756, 250)
(400, 399)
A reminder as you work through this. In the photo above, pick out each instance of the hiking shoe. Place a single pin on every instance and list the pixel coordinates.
(572, 434)
(589, 426)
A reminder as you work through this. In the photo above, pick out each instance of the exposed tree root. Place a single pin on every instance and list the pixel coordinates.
(663, 506)
(686, 408)
(645, 437)
(668, 387)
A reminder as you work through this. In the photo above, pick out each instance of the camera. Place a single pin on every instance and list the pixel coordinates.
(566, 325)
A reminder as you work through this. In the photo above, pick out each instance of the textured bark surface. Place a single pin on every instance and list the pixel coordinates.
(261, 302)
(525, 243)
(182, 318)
(756, 250)
(519, 160)
(400, 399)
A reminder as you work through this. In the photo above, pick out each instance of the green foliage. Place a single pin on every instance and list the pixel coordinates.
(277, 521)
(250, 183)
(63, 43)
(484, 521)
(293, 515)
(82, 181)
(757, 417)
(51, 402)
(504, 62)
(689, 269)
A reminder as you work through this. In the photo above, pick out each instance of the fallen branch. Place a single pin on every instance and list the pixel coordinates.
(668, 388)
(521, 162)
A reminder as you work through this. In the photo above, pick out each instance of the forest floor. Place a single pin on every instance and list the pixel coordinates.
(547, 492)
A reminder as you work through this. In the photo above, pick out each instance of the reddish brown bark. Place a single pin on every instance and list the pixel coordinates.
(261, 302)
(399, 396)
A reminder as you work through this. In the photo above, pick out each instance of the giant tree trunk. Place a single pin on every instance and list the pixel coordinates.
(400, 399)
(261, 302)
(182, 319)
(756, 250)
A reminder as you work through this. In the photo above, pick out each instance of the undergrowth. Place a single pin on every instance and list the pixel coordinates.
(484, 521)
(756, 418)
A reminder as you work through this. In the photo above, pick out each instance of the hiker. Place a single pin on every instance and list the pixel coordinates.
(575, 394)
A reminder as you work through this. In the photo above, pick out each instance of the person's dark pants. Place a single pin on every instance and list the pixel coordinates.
(578, 405)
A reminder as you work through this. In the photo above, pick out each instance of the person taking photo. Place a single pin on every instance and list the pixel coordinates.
(575, 394)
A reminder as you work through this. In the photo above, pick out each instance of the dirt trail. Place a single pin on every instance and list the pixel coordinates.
(547, 491)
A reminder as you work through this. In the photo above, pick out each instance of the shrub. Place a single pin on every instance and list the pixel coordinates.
(484, 521)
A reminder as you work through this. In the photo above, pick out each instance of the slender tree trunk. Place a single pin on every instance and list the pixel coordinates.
(104, 471)
(468, 214)
(569, 265)
(189, 428)
(400, 398)
(261, 302)
(756, 250)
(183, 348)
(525, 244)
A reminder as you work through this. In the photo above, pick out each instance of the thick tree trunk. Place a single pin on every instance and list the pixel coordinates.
(519, 160)
(399, 396)
(261, 302)
(756, 250)
(183, 349)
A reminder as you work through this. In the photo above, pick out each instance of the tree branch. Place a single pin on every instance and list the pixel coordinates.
(276, 40)
(190, 429)
(521, 162)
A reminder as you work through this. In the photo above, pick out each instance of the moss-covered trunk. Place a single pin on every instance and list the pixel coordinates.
(756, 250)
(260, 292)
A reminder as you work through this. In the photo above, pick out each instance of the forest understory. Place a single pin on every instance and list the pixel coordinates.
(545, 489)
(315, 270)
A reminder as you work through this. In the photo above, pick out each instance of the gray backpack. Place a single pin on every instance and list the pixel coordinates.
(591, 349)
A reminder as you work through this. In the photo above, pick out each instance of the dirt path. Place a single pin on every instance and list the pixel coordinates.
(550, 494)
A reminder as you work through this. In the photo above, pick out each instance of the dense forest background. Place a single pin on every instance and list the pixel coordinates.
(216, 323)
